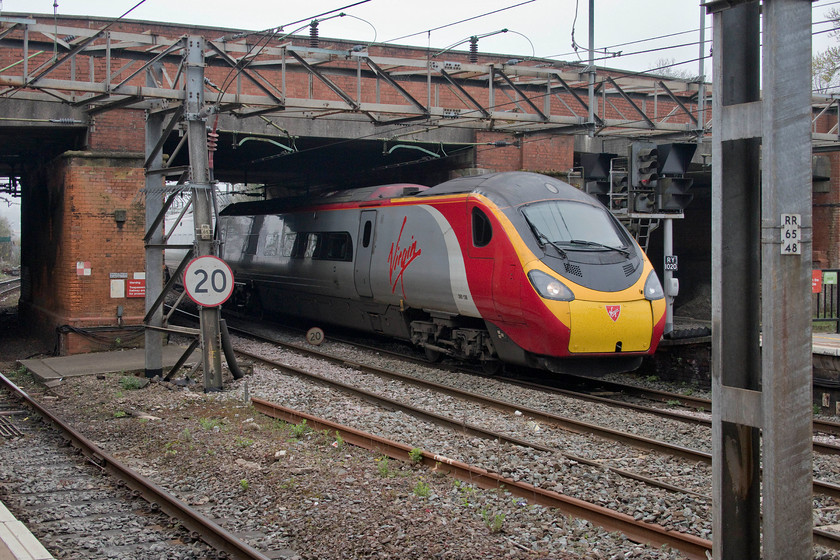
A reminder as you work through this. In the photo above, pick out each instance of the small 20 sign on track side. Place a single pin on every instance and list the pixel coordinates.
(208, 281)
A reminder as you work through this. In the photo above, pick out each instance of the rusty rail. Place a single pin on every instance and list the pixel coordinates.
(207, 530)
(654, 535)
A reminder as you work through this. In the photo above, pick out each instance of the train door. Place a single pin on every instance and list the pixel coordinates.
(364, 252)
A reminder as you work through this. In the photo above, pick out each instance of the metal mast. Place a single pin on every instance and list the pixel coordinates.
(761, 330)
(203, 194)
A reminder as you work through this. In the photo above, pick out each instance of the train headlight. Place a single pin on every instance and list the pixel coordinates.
(550, 287)
(653, 289)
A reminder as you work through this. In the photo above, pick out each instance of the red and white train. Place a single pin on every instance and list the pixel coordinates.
(515, 268)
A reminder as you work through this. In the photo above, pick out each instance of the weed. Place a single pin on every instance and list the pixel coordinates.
(416, 455)
(169, 450)
(244, 484)
(421, 489)
(131, 383)
(651, 378)
(120, 414)
(209, 423)
(493, 522)
(291, 483)
(817, 409)
(673, 402)
(244, 442)
(383, 467)
(186, 435)
(339, 441)
(297, 430)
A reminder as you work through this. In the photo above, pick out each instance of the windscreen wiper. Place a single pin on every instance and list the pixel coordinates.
(601, 245)
(542, 239)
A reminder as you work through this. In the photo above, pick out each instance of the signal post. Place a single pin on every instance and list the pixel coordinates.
(203, 196)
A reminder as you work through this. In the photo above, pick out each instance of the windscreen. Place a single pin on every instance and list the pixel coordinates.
(565, 221)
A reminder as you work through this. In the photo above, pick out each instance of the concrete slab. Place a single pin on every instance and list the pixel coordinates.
(51, 370)
(17, 542)
(826, 344)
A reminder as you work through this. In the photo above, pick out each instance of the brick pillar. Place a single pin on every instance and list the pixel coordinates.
(83, 222)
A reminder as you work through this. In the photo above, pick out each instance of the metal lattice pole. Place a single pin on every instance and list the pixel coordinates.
(203, 193)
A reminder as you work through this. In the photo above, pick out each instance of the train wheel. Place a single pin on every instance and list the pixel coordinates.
(491, 367)
(433, 356)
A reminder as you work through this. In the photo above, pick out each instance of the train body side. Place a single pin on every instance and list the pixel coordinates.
(449, 269)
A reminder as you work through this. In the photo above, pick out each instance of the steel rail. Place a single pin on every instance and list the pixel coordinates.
(818, 425)
(373, 398)
(654, 535)
(688, 401)
(820, 486)
(207, 530)
(461, 426)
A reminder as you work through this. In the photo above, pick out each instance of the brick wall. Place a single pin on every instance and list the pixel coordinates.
(75, 245)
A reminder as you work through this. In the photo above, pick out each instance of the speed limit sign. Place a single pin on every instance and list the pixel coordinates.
(208, 281)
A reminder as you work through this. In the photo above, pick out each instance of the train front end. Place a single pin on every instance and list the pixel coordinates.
(593, 303)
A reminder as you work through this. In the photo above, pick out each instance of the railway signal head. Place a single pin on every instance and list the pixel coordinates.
(644, 164)
(673, 187)
(674, 193)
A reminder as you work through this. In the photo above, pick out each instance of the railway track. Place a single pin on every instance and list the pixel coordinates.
(9, 286)
(682, 407)
(82, 503)
(824, 487)
(461, 425)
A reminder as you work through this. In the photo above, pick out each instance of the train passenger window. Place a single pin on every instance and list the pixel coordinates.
(481, 229)
(289, 236)
(272, 241)
(312, 242)
(366, 234)
(335, 246)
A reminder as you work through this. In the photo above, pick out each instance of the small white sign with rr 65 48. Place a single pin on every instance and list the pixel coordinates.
(791, 234)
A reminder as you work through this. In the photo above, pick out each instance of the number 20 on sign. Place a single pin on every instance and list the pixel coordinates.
(791, 234)
(208, 281)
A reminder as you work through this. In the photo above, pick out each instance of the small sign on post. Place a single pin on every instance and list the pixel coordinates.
(791, 234)
(816, 281)
(208, 281)
(671, 262)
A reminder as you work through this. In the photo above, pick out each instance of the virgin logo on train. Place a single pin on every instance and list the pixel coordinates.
(613, 311)
(399, 258)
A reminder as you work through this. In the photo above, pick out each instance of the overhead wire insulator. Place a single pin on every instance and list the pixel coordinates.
(212, 140)
(313, 34)
(473, 50)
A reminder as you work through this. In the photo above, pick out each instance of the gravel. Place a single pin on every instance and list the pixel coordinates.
(297, 493)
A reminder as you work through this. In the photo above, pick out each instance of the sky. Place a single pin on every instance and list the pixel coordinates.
(541, 28)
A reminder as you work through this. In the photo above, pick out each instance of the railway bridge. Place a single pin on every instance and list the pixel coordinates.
(96, 124)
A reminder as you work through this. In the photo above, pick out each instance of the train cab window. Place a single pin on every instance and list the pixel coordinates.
(482, 231)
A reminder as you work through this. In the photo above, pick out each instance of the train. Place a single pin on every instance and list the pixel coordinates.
(502, 268)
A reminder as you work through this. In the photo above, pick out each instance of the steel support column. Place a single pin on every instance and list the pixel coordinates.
(203, 193)
(786, 280)
(761, 345)
(154, 255)
(736, 308)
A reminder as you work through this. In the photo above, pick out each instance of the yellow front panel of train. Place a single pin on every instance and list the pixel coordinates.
(600, 327)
